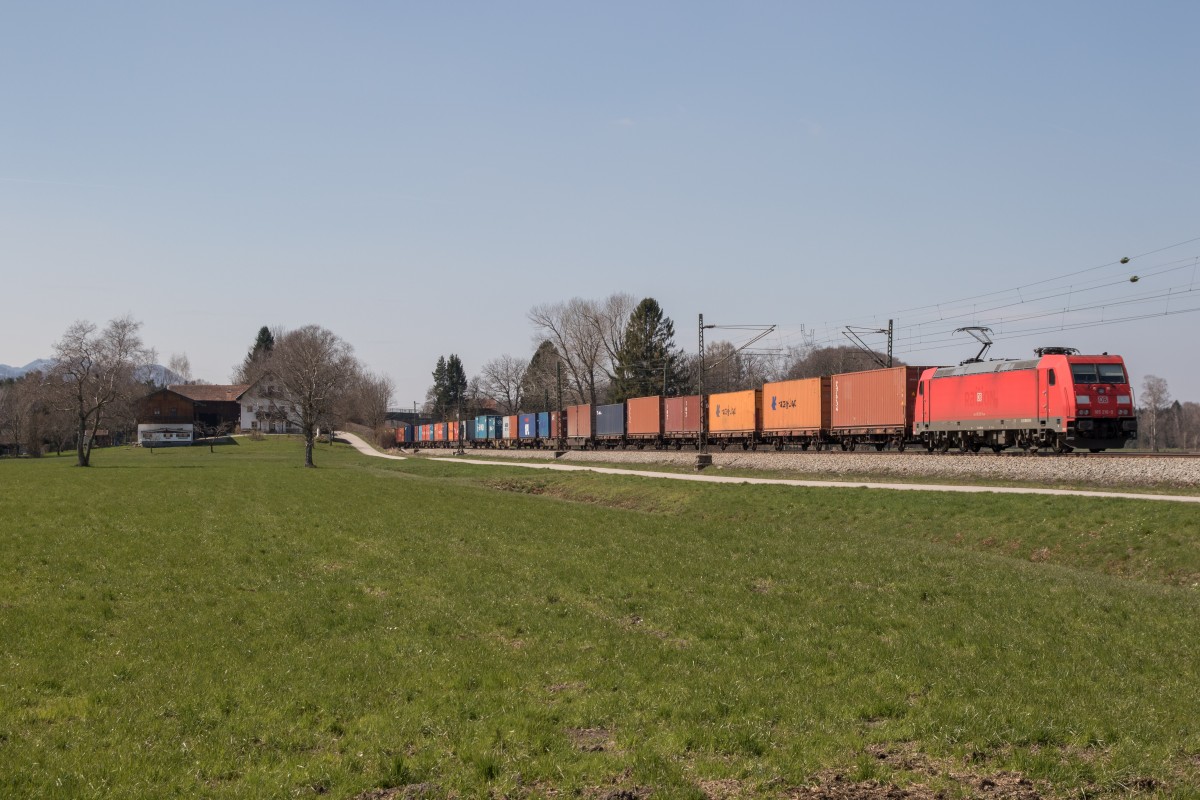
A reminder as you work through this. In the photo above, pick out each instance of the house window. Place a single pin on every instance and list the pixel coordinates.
(157, 411)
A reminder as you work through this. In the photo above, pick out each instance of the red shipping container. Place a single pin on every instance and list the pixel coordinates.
(580, 421)
(875, 401)
(644, 416)
(439, 431)
(681, 415)
(452, 431)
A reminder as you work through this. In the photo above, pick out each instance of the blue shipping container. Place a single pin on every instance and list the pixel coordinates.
(543, 425)
(610, 420)
(493, 427)
(481, 428)
(527, 426)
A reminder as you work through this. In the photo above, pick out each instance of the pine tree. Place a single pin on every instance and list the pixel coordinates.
(252, 365)
(449, 391)
(648, 362)
(539, 386)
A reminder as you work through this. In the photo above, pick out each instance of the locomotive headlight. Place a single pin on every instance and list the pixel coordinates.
(1083, 412)
(1082, 399)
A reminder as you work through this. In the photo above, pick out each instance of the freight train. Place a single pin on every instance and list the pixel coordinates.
(1060, 401)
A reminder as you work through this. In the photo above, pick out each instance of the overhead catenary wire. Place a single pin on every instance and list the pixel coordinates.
(916, 334)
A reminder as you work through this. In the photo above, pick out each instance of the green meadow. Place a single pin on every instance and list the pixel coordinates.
(181, 623)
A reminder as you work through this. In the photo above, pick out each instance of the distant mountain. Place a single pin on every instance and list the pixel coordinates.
(151, 373)
(158, 375)
(42, 364)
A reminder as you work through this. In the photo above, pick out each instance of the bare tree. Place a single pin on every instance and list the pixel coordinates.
(313, 370)
(820, 361)
(372, 396)
(587, 334)
(95, 369)
(1189, 424)
(1155, 401)
(501, 378)
(180, 365)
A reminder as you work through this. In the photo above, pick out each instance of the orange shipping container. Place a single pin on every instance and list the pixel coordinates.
(875, 401)
(796, 407)
(735, 412)
(644, 416)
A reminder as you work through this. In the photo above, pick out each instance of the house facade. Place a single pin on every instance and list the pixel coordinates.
(263, 410)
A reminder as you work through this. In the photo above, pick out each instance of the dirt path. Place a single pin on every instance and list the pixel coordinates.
(366, 449)
(358, 444)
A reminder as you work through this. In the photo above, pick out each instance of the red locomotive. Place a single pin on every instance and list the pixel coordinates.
(1060, 400)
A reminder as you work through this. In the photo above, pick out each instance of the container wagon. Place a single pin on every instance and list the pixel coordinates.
(796, 412)
(681, 421)
(581, 426)
(874, 407)
(735, 418)
(610, 425)
(644, 421)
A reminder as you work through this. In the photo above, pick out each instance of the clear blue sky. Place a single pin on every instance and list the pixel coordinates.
(415, 176)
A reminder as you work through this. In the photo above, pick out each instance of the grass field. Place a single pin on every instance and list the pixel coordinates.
(229, 624)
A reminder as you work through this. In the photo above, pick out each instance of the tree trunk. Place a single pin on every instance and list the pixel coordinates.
(308, 450)
(80, 437)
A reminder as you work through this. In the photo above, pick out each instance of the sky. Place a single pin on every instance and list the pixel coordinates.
(416, 176)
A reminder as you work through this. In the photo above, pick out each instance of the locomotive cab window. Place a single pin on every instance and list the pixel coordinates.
(1050, 377)
(1098, 373)
(921, 388)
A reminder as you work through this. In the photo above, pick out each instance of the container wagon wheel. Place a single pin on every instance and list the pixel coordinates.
(997, 448)
(1095, 449)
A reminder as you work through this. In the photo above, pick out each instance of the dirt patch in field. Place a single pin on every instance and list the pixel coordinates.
(619, 787)
(413, 791)
(592, 740)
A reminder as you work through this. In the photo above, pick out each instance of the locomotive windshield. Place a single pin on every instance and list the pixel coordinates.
(1098, 373)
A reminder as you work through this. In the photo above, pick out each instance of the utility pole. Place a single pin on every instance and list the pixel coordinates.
(704, 459)
(702, 444)
(889, 343)
(852, 333)
(562, 423)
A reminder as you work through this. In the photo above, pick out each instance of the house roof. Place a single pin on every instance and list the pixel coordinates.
(210, 392)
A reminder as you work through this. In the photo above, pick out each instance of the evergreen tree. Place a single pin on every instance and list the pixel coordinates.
(449, 391)
(648, 358)
(539, 385)
(252, 365)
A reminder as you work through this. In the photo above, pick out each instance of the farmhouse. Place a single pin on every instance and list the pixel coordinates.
(262, 409)
(165, 418)
(217, 406)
